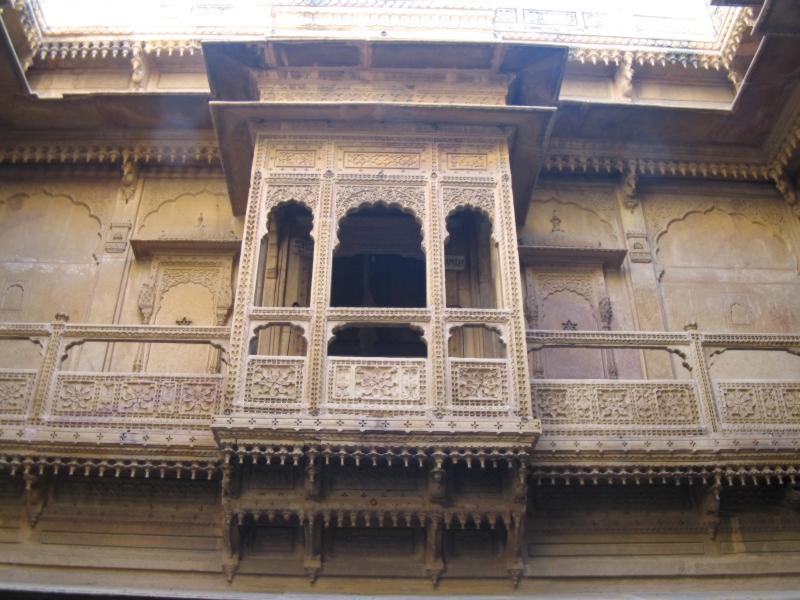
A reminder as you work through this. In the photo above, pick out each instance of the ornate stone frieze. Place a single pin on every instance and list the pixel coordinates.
(16, 390)
(481, 199)
(117, 400)
(385, 91)
(351, 197)
(605, 408)
(480, 388)
(104, 151)
(765, 406)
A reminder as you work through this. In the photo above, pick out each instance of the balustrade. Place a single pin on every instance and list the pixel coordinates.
(700, 406)
(54, 399)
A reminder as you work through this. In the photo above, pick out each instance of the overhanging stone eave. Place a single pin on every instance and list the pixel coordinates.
(527, 129)
(458, 433)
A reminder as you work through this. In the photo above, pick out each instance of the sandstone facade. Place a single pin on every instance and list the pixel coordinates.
(464, 310)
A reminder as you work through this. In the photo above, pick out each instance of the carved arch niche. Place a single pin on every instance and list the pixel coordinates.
(185, 290)
(48, 227)
(568, 298)
(726, 262)
(187, 208)
(571, 220)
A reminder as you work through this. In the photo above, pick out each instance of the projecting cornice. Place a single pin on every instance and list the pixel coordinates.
(98, 151)
(594, 158)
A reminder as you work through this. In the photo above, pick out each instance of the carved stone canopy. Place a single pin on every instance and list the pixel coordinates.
(198, 237)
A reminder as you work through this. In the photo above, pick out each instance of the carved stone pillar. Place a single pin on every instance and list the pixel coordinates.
(644, 283)
(50, 363)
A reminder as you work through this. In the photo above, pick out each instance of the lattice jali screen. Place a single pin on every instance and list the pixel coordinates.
(758, 405)
(16, 388)
(274, 385)
(121, 399)
(602, 407)
(479, 388)
(374, 385)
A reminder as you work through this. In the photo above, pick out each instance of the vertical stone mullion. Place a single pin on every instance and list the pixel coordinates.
(437, 355)
(509, 265)
(245, 289)
(702, 376)
(320, 278)
(49, 369)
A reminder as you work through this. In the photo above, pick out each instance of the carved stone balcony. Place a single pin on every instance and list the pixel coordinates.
(124, 400)
(701, 414)
(135, 407)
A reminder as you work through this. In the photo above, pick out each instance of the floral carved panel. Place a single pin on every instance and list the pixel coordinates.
(610, 408)
(480, 388)
(770, 405)
(115, 400)
(16, 388)
(274, 385)
(359, 386)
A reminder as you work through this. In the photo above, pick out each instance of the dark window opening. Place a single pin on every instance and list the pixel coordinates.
(389, 342)
(475, 341)
(379, 262)
(470, 262)
(279, 340)
(287, 254)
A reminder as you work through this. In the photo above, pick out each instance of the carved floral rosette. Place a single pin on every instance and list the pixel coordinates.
(479, 388)
(16, 389)
(772, 406)
(274, 385)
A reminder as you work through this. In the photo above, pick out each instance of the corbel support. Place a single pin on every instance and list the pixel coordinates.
(437, 478)
(313, 481)
(709, 506)
(312, 534)
(141, 68)
(516, 537)
(35, 496)
(785, 186)
(231, 541)
(130, 176)
(519, 487)
(434, 565)
(623, 77)
(630, 180)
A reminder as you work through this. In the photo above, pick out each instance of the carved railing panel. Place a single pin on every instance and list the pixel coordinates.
(16, 390)
(758, 406)
(123, 399)
(479, 388)
(377, 385)
(274, 385)
(604, 408)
